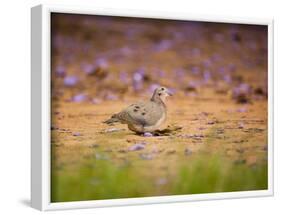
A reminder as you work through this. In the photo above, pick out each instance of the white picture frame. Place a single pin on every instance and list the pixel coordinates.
(40, 65)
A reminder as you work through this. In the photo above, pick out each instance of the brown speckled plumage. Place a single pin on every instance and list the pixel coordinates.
(144, 116)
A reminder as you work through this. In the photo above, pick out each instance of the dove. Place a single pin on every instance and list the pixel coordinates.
(142, 117)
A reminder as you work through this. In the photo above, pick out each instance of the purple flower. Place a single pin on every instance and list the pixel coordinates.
(70, 81)
(242, 110)
(60, 71)
(126, 50)
(111, 96)
(227, 78)
(195, 52)
(207, 63)
(152, 87)
(195, 70)
(192, 85)
(124, 77)
(216, 57)
(222, 70)
(241, 89)
(206, 75)
(136, 147)
(96, 101)
(102, 62)
(147, 134)
(79, 97)
(179, 73)
(219, 37)
(161, 73)
(138, 78)
(88, 68)
(163, 45)
(231, 67)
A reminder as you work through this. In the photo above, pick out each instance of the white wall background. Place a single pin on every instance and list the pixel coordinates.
(15, 104)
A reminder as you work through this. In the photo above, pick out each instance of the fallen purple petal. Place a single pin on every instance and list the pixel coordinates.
(79, 98)
(88, 69)
(111, 96)
(96, 101)
(102, 63)
(60, 71)
(147, 134)
(242, 110)
(70, 81)
(136, 147)
(162, 46)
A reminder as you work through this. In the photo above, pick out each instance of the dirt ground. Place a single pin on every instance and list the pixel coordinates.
(218, 73)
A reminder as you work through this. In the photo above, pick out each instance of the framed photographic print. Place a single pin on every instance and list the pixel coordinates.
(132, 107)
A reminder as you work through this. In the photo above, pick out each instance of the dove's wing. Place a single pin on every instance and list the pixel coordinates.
(143, 113)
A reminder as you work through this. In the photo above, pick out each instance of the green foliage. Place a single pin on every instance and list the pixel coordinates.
(102, 179)
(208, 175)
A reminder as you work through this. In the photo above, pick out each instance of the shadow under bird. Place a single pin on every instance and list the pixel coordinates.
(146, 116)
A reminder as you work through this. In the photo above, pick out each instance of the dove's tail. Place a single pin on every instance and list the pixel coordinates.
(113, 119)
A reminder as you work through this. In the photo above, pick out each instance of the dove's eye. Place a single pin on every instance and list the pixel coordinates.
(162, 88)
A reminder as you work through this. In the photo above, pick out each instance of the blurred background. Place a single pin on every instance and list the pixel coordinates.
(97, 58)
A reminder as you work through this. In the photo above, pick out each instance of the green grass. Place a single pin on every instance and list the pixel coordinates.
(103, 179)
(208, 175)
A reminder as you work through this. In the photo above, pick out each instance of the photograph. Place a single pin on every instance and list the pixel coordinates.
(147, 107)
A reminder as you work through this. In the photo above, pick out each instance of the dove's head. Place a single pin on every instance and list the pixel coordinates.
(160, 94)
